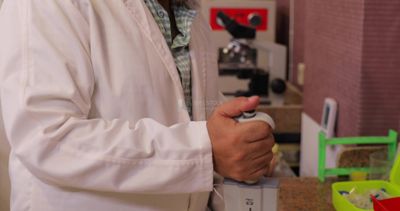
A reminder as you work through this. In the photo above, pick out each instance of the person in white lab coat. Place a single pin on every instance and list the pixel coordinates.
(94, 110)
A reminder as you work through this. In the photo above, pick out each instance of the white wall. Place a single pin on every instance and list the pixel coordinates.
(309, 148)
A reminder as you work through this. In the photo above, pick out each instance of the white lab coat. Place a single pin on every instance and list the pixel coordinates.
(94, 109)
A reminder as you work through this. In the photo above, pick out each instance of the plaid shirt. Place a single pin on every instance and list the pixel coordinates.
(179, 46)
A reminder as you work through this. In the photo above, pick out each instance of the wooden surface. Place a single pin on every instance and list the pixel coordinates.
(288, 115)
(287, 118)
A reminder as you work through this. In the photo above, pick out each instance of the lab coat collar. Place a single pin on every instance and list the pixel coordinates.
(145, 20)
(199, 75)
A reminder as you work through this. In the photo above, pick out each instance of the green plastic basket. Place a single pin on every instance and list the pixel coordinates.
(392, 188)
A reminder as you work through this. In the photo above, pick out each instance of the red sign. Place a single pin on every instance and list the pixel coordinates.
(242, 16)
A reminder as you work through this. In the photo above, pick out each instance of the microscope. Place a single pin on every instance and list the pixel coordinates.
(239, 62)
(239, 58)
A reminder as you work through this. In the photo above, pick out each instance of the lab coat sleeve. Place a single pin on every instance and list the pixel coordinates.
(47, 84)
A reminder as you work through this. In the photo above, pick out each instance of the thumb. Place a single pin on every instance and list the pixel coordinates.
(238, 105)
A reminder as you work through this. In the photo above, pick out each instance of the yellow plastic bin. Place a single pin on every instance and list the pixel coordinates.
(392, 188)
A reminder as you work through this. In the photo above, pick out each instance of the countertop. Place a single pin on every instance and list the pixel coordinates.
(304, 193)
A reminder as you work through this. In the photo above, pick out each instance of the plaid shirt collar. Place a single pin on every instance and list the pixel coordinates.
(184, 17)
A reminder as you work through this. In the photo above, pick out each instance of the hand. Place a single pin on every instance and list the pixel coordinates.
(241, 151)
(271, 166)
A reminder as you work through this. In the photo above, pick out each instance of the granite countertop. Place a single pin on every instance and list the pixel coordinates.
(304, 193)
(309, 194)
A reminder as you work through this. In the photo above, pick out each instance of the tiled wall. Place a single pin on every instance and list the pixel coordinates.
(380, 96)
(352, 53)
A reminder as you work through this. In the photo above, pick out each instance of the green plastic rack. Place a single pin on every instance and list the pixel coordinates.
(390, 140)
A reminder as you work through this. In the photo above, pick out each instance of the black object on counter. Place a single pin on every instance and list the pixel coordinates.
(278, 86)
